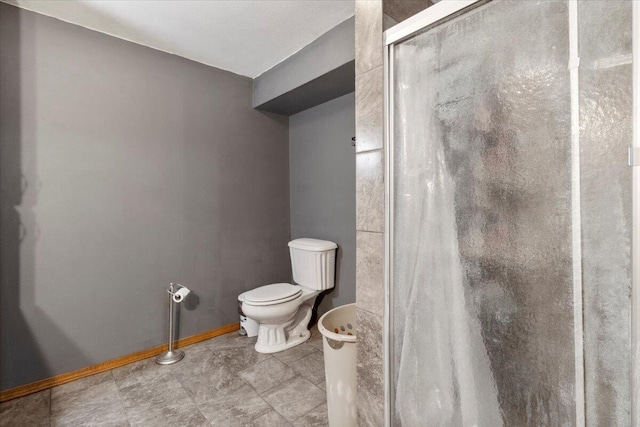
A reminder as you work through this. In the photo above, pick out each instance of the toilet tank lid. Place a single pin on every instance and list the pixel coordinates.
(314, 245)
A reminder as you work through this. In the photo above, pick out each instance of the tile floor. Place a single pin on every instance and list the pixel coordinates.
(220, 382)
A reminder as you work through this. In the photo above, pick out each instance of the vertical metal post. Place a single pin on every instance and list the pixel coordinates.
(170, 356)
(171, 310)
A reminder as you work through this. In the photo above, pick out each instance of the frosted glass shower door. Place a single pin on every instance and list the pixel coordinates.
(486, 271)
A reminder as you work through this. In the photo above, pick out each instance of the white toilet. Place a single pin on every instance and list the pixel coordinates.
(283, 310)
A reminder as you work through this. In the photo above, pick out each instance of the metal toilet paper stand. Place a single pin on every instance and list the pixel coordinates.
(172, 356)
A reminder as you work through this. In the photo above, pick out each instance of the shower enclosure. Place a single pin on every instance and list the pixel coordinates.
(509, 214)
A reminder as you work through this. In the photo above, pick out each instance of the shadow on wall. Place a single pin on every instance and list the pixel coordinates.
(20, 355)
(327, 302)
(146, 180)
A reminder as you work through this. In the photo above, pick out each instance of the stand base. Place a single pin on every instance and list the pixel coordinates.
(170, 357)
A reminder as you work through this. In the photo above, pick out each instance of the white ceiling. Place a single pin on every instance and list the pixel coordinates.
(246, 37)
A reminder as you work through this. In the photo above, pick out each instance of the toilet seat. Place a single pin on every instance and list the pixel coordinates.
(276, 293)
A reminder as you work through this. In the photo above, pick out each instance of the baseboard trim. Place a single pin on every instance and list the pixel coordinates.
(26, 389)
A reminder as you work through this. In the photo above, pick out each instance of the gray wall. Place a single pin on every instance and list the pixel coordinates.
(330, 51)
(123, 169)
(323, 175)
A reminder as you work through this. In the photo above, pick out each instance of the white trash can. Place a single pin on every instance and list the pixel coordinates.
(338, 329)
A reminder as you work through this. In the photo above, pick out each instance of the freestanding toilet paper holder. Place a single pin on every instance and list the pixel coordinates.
(176, 295)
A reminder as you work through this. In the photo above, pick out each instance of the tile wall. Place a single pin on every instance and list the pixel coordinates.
(372, 17)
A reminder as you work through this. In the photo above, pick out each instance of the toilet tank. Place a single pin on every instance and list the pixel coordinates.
(313, 263)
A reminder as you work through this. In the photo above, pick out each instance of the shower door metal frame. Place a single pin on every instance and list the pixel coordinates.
(432, 16)
(435, 15)
(635, 251)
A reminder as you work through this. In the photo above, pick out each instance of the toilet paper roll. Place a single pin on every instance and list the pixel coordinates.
(181, 294)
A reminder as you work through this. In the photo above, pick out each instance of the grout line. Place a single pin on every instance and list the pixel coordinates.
(264, 400)
(175, 377)
(50, 409)
(126, 413)
(368, 231)
(367, 311)
(372, 150)
(312, 409)
(364, 73)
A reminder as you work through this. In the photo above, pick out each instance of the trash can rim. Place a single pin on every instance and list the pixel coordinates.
(332, 335)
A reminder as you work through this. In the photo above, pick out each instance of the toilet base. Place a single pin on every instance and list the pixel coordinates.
(291, 342)
(273, 338)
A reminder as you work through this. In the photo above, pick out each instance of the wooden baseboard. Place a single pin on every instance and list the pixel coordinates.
(26, 389)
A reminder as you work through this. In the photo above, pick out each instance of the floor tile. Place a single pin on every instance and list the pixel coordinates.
(294, 398)
(31, 410)
(295, 353)
(318, 417)
(270, 419)
(195, 360)
(96, 404)
(310, 367)
(221, 382)
(317, 344)
(267, 374)
(81, 384)
(107, 416)
(144, 396)
(209, 377)
(141, 372)
(316, 338)
(239, 407)
(180, 412)
(237, 360)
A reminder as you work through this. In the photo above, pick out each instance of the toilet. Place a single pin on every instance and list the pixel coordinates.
(283, 310)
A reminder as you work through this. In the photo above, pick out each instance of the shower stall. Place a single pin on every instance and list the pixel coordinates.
(509, 275)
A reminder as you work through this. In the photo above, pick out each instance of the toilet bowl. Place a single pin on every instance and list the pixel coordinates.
(283, 310)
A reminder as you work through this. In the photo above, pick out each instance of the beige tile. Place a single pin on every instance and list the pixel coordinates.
(369, 272)
(318, 417)
(267, 374)
(32, 410)
(400, 10)
(370, 399)
(295, 398)
(369, 110)
(370, 191)
(368, 35)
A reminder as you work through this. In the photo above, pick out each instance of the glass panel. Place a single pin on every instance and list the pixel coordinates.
(482, 282)
(606, 132)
